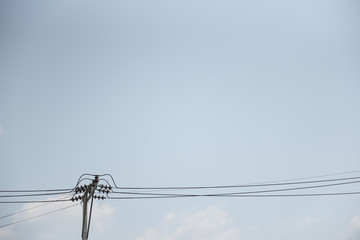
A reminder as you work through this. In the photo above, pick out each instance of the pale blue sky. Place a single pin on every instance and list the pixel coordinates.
(183, 93)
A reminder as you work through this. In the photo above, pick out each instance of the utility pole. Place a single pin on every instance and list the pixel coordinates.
(88, 195)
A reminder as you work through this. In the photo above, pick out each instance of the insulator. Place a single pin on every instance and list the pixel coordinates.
(72, 199)
(102, 197)
(110, 187)
(79, 197)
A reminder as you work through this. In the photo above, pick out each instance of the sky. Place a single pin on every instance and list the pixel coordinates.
(181, 93)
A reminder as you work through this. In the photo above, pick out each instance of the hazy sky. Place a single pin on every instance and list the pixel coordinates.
(171, 93)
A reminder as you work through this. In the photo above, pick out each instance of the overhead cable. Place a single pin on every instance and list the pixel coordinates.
(38, 190)
(238, 186)
(32, 195)
(40, 215)
(241, 196)
(28, 209)
(238, 193)
(37, 201)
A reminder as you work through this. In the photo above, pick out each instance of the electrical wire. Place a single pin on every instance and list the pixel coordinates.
(33, 195)
(272, 183)
(159, 188)
(238, 186)
(103, 179)
(295, 195)
(43, 192)
(38, 190)
(26, 219)
(143, 193)
(312, 177)
(92, 175)
(241, 196)
(224, 186)
(239, 193)
(37, 201)
(65, 190)
(83, 179)
(28, 209)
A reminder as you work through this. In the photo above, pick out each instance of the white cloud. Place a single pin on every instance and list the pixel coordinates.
(302, 227)
(4, 233)
(209, 224)
(100, 214)
(64, 224)
(306, 221)
(352, 231)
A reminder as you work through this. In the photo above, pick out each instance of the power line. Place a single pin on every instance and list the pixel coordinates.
(241, 196)
(33, 195)
(238, 193)
(37, 201)
(277, 182)
(297, 195)
(26, 219)
(221, 186)
(260, 190)
(237, 186)
(67, 190)
(83, 177)
(27, 209)
(312, 177)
